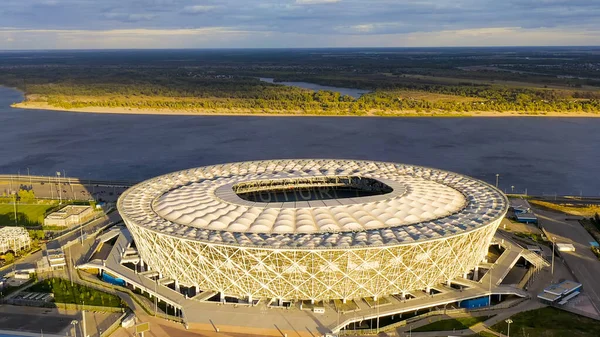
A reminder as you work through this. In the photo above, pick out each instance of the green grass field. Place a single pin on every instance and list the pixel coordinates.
(28, 215)
(550, 322)
(451, 324)
(76, 294)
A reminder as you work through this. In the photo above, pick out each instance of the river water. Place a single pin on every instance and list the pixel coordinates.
(542, 155)
(356, 93)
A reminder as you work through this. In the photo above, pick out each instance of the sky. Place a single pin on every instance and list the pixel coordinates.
(115, 24)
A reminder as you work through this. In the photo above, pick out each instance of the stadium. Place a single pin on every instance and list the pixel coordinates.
(320, 229)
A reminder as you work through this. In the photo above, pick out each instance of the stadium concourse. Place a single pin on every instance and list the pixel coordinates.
(346, 240)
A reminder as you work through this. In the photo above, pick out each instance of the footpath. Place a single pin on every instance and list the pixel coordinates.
(499, 316)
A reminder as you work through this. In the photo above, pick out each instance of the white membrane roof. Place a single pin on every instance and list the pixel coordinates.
(200, 204)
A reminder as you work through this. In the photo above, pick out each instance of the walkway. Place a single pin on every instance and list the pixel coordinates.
(277, 321)
(500, 315)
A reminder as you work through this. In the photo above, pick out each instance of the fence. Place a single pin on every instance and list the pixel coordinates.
(66, 306)
(119, 291)
(62, 179)
(390, 329)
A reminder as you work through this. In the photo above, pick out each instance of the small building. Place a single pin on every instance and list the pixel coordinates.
(561, 292)
(14, 239)
(56, 259)
(69, 216)
(526, 217)
(22, 275)
(565, 247)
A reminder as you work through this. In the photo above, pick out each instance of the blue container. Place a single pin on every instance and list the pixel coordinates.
(106, 277)
(475, 303)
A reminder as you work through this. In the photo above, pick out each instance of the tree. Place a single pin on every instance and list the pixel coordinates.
(9, 258)
(26, 196)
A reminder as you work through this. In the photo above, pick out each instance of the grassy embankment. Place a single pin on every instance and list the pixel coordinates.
(549, 322)
(585, 210)
(27, 215)
(459, 323)
(76, 294)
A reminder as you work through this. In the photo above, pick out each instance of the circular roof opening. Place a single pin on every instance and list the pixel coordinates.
(309, 189)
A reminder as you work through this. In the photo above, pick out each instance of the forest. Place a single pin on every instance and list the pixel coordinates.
(451, 81)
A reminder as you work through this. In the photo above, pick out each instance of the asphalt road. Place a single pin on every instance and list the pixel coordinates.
(30, 260)
(582, 262)
(64, 190)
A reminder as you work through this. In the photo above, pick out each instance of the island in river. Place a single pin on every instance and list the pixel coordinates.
(386, 82)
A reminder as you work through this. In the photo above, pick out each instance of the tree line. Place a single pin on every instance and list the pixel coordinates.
(181, 89)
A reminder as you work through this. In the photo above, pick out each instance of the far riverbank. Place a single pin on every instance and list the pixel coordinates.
(406, 113)
(545, 156)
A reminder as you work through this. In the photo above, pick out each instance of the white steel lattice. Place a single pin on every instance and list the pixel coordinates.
(373, 260)
(13, 238)
(312, 274)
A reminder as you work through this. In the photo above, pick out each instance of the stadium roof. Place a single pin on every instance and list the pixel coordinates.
(201, 204)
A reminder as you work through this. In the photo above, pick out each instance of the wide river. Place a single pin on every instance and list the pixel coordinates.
(542, 155)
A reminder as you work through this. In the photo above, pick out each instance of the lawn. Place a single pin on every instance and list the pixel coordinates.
(587, 210)
(28, 215)
(550, 322)
(452, 324)
(76, 294)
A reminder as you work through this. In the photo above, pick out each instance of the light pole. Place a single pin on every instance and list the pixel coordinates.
(155, 298)
(29, 175)
(70, 266)
(508, 321)
(490, 298)
(497, 176)
(15, 207)
(51, 189)
(74, 323)
(553, 244)
(512, 189)
(377, 315)
(59, 188)
(72, 193)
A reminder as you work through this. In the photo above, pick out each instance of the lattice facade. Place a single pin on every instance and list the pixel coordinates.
(312, 274)
(409, 227)
(13, 239)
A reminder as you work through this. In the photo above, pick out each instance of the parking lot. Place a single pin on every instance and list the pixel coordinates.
(35, 320)
(582, 262)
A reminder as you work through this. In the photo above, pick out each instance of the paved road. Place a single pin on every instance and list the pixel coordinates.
(583, 263)
(64, 190)
(30, 261)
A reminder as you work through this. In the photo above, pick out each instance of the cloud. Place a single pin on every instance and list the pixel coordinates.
(227, 37)
(141, 17)
(130, 17)
(49, 2)
(197, 9)
(313, 22)
(315, 2)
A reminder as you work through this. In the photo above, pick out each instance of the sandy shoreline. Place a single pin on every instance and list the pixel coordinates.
(164, 112)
